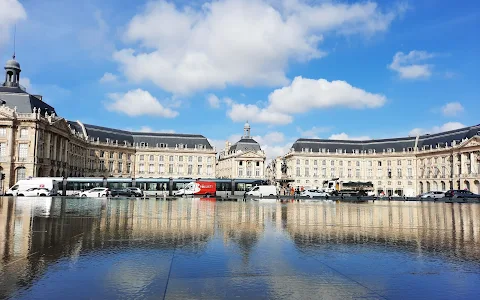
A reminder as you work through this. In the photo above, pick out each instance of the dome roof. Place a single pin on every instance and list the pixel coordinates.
(246, 125)
(12, 64)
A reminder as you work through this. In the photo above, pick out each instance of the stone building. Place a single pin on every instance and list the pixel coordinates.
(244, 159)
(36, 142)
(403, 166)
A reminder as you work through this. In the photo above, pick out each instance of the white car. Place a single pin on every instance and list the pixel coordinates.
(433, 194)
(95, 192)
(313, 193)
(35, 192)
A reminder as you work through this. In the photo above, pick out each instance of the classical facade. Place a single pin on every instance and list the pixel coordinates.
(403, 166)
(244, 159)
(36, 142)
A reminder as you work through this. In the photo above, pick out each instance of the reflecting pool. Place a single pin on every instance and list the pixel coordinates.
(57, 248)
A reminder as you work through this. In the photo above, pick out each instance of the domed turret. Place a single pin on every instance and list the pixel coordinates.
(12, 73)
(246, 130)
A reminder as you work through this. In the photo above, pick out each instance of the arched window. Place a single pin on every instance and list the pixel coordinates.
(21, 173)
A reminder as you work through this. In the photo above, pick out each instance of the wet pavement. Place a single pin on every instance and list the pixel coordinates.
(201, 249)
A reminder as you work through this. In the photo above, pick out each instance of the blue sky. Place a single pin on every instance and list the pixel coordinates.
(292, 68)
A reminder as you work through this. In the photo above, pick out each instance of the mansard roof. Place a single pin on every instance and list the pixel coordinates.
(23, 101)
(245, 144)
(152, 139)
(394, 144)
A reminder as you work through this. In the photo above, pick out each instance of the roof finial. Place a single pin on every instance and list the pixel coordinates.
(14, 39)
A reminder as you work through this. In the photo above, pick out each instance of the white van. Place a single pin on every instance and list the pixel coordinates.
(23, 185)
(263, 191)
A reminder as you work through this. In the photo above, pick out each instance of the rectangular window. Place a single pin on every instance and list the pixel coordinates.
(102, 153)
(340, 172)
(307, 172)
(102, 165)
(357, 173)
(379, 172)
(240, 172)
(340, 163)
(399, 173)
(111, 154)
(349, 163)
(190, 159)
(358, 164)
(129, 168)
(170, 168)
(443, 171)
(315, 172)
(257, 172)
(161, 168)
(180, 158)
(209, 170)
(199, 159)
(409, 172)
(298, 171)
(110, 166)
(443, 160)
(3, 131)
(151, 168)
(141, 168)
(332, 172)
(209, 160)
(369, 163)
(315, 162)
(142, 157)
(306, 162)
(389, 162)
(298, 161)
(349, 173)
(3, 149)
(324, 172)
(332, 163)
(23, 132)
(399, 162)
(152, 158)
(120, 156)
(120, 167)
(170, 158)
(199, 169)
(160, 158)
(22, 150)
(190, 170)
(369, 173)
(409, 162)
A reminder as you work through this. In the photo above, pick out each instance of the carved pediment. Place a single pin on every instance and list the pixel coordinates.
(474, 141)
(250, 154)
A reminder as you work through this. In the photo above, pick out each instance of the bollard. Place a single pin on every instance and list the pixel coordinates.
(164, 196)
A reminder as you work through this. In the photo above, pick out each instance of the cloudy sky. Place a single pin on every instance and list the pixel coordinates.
(292, 68)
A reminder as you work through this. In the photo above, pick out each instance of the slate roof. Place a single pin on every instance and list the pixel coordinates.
(380, 145)
(25, 102)
(151, 138)
(245, 144)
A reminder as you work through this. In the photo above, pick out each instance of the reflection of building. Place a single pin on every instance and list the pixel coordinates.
(409, 165)
(244, 159)
(35, 141)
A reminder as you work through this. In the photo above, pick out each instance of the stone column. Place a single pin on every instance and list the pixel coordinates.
(472, 163)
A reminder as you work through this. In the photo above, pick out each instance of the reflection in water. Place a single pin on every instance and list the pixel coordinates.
(38, 234)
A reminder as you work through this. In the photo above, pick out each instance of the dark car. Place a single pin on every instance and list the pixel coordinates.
(121, 193)
(461, 194)
(136, 191)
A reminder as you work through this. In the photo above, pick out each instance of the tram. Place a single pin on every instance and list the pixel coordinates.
(154, 186)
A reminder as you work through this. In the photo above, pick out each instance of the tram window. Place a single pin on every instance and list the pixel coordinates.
(224, 186)
(117, 185)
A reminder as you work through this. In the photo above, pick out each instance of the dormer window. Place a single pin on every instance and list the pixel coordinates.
(370, 151)
(356, 151)
(339, 150)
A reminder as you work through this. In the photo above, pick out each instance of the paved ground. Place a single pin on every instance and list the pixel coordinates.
(202, 249)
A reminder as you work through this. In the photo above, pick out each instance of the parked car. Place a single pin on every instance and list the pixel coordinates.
(122, 192)
(35, 192)
(433, 194)
(136, 191)
(95, 192)
(313, 193)
(461, 194)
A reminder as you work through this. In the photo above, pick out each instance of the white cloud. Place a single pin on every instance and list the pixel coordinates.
(11, 12)
(108, 77)
(213, 101)
(137, 103)
(25, 81)
(254, 114)
(408, 65)
(452, 109)
(150, 129)
(436, 129)
(313, 132)
(234, 42)
(305, 94)
(344, 136)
